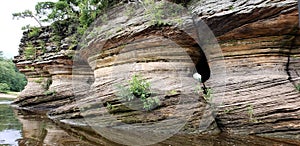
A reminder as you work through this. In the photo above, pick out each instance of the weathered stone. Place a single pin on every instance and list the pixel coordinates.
(259, 44)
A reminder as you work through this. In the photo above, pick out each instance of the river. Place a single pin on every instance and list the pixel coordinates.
(21, 128)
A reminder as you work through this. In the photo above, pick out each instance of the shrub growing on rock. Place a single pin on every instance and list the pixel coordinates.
(139, 89)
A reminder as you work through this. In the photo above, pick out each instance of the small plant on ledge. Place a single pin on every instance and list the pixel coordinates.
(298, 87)
(34, 32)
(139, 89)
(30, 52)
(49, 93)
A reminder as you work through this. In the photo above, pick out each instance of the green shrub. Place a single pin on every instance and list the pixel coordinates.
(172, 92)
(139, 89)
(49, 93)
(4, 88)
(34, 32)
(251, 114)
(30, 68)
(30, 52)
(208, 95)
(298, 87)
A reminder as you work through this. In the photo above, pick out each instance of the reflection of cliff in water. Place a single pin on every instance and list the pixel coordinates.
(29, 129)
(38, 130)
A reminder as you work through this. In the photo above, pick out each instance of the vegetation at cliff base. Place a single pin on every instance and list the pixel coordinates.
(10, 78)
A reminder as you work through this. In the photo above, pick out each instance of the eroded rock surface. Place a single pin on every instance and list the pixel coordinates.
(166, 57)
(259, 41)
(261, 58)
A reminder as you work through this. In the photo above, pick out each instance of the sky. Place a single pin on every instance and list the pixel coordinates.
(10, 30)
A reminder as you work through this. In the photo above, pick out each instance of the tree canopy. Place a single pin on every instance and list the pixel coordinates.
(10, 78)
(83, 11)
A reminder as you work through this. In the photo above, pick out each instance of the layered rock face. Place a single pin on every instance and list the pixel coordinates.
(48, 69)
(164, 56)
(259, 41)
(259, 60)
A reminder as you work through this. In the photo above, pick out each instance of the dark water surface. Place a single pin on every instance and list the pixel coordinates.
(28, 129)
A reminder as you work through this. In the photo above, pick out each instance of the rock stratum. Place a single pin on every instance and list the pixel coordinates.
(259, 41)
(253, 72)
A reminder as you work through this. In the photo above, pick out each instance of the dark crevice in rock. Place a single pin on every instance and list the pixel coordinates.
(290, 48)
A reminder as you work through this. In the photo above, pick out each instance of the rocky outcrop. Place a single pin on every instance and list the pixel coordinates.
(48, 68)
(261, 53)
(155, 51)
(164, 56)
(252, 77)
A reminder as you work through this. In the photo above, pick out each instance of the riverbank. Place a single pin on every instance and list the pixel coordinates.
(11, 95)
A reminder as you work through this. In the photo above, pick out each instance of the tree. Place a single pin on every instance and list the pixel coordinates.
(1, 56)
(10, 76)
(25, 14)
(85, 11)
(4, 88)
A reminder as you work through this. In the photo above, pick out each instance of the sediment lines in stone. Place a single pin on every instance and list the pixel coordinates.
(258, 41)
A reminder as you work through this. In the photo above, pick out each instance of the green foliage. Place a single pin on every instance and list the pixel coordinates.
(42, 44)
(298, 87)
(1, 56)
(207, 93)
(30, 68)
(30, 52)
(56, 39)
(47, 84)
(26, 27)
(81, 13)
(39, 80)
(109, 106)
(155, 11)
(139, 88)
(11, 76)
(4, 88)
(150, 103)
(251, 114)
(172, 92)
(26, 14)
(162, 13)
(34, 32)
(8, 118)
(208, 96)
(50, 93)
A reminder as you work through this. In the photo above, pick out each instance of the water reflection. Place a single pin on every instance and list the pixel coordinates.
(10, 127)
(20, 128)
(28, 129)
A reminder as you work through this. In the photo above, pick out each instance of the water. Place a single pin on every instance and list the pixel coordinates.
(20, 128)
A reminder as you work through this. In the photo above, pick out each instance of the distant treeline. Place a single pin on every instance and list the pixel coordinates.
(10, 78)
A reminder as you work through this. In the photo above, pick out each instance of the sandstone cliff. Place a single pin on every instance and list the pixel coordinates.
(259, 41)
(259, 60)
